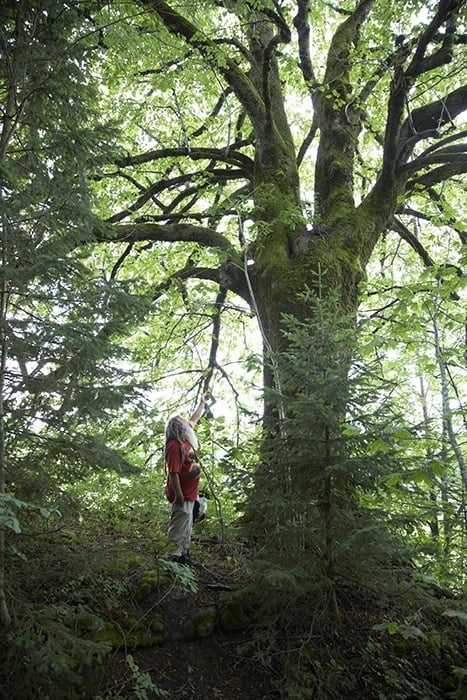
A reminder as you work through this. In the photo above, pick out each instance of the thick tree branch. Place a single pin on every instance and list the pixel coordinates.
(178, 25)
(226, 155)
(426, 121)
(227, 276)
(169, 233)
(401, 135)
(437, 175)
(455, 155)
(339, 122)
(421, 62)
(429, 117)
(268, 57)
(302, 26)
(442, 143)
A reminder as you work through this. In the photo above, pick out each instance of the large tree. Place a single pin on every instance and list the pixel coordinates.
(259, 154)
(261, 150)
(288, 137)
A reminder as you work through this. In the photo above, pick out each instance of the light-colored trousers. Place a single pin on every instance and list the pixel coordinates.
(180, 527)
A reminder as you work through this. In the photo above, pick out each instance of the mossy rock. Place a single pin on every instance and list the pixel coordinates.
(157, 625)
(204, 623)
(86, 621)
(150, 581)
(235, 617)
(131, 636)
(109, 635)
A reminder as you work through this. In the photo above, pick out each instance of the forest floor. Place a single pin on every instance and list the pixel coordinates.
(186, 666)
(98, 568)
(98, 571)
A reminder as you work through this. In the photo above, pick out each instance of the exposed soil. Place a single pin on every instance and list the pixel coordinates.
(100, 570)
(209, 668)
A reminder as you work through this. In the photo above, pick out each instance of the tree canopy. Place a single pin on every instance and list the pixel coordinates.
(264, 198)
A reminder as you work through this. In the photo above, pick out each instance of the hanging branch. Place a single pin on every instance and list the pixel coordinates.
(216, 327)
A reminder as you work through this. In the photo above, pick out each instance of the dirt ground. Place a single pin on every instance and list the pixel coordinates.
(209, 668)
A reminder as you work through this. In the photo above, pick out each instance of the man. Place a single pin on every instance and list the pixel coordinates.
(182, 480)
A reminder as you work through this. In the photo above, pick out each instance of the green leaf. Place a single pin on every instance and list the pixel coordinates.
(459, 614)
(10, 522)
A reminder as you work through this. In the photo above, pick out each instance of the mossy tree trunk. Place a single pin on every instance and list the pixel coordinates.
(287, 252)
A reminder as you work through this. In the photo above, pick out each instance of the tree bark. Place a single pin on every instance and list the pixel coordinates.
(5, 618)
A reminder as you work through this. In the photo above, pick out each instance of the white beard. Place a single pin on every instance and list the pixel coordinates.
(190, 435)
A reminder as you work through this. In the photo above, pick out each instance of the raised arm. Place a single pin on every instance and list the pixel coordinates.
(198, 412)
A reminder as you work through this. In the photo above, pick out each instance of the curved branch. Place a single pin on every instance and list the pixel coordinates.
(425, 121)
(412, 240)
(227, 276)
(226, 155)
(415, 244)
(178, 25)
(230, 273)
(444, 142)
(453, 155)
(437, 175)
(168, 233)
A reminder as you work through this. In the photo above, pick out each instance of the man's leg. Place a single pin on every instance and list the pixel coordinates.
(189, 528)
(177, 533)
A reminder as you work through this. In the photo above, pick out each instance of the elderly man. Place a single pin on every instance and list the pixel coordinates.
(182, 480)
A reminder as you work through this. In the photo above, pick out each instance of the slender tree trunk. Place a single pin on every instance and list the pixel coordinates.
(5, 618)
(447, 415)
(433, 522)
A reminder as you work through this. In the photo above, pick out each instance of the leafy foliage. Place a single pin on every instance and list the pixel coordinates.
(172, 179)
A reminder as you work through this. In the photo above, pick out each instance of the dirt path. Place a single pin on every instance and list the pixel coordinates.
(186, 666)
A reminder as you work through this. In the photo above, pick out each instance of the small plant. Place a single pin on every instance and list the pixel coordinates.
(143, 682)
(185, 575)
(46, 653)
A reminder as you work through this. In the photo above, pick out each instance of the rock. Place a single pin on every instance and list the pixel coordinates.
(204, 623)
(149, 582)
(234, 618)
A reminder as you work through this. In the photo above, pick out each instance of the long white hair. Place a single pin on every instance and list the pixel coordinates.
(179, 429)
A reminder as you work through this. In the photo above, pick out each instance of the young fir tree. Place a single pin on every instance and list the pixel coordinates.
(61, 323)
(321, 534)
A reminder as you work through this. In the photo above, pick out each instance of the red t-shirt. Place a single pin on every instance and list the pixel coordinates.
(188, 471)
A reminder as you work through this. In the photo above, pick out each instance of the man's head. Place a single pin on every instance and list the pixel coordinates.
(179, 428)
